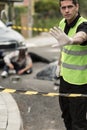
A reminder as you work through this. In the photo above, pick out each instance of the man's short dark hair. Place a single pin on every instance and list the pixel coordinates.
(74, 1)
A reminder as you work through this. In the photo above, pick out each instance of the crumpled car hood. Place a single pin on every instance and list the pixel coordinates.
(8, 34)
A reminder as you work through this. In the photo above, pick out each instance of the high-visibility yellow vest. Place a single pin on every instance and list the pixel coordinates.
(74, 58)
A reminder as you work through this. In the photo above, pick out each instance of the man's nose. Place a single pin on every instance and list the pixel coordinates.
(66, 9)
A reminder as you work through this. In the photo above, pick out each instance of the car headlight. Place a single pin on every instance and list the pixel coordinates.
(9, 44)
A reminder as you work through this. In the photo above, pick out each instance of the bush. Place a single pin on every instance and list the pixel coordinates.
(18, 11)
(46, 8)
(46, 14)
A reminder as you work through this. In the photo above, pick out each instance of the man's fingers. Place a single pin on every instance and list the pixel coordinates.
(56, 31)
(54, 35)
(52, 32)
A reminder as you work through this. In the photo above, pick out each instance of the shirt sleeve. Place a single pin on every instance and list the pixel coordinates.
(7, 58)
(28, 60)
(82, 27)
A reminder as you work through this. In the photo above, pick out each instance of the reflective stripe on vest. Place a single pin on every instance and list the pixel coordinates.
(74, 58)
(78, 53)
(75, 67)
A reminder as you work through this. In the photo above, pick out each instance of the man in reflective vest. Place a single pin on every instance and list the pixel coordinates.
(72, 38)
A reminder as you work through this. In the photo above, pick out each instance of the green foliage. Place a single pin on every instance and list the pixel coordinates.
(45, 23)
(83, 7)
(46, 14)
(46, 7)
(18, 11)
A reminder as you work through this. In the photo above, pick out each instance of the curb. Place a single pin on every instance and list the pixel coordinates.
(11, 116)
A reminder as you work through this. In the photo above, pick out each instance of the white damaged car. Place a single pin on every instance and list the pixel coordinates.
(9, 40)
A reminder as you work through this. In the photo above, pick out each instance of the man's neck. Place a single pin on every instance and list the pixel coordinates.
(71, 20)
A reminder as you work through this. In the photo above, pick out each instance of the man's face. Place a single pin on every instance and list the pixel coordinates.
(69, 10)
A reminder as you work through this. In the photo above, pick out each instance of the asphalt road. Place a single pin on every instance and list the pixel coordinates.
(38, 112)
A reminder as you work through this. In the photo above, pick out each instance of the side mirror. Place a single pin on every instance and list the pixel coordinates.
(9, 24)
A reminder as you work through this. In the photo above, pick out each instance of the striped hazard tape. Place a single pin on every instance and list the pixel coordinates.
(31, 28)
(51, 94)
